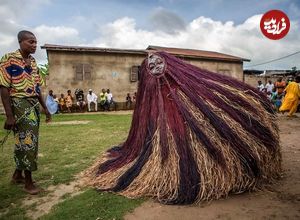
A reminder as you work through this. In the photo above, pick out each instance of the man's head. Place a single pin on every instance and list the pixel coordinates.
(90, 91)
(270, 82)
(79, 94)
(69, 92)
(103, 90)
(27, 42)
(297, 79)
(51, 92)
(259, 82)
(279, 79)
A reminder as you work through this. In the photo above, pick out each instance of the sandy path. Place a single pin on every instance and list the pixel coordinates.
(281, 201)
(56, 195)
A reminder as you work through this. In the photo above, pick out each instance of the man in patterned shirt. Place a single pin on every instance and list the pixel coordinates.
(20, 83)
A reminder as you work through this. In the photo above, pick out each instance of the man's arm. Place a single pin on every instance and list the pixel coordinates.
(10, 118)
(42, 102)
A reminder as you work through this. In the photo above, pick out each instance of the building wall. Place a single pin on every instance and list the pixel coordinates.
(227, 68)
(108, 71)
(111, 70)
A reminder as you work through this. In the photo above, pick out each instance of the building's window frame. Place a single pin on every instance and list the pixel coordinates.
(83, 71)
(134, 73)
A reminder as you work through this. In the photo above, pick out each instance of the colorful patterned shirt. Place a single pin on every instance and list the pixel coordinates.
(21, 80)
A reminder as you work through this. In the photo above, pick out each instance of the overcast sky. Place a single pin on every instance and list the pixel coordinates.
(226, 26)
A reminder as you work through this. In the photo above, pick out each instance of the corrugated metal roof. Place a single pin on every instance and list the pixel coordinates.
(90, 49)
(197, 53)
(175, 51)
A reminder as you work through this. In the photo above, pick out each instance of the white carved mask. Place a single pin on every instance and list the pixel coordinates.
(156, 64)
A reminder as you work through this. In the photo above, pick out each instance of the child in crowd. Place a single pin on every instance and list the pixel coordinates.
(61, 103)
(276, 99)
(128, 101)
(69, 101)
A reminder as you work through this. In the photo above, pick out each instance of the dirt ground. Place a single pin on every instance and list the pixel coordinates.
(280, 201)
(56, 195)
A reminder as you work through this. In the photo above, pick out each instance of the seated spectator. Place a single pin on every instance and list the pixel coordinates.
(103, 99)
(134, 97)
(92, 98)
(69, 101)
(128, 101)
(109, 98)
(80, 99)
(56, 100)
(61, 103)
(51, 103)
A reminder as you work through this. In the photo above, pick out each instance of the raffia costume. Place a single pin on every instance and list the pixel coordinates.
(195, 135)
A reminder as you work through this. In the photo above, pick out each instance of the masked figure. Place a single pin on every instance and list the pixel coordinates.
(195, 135)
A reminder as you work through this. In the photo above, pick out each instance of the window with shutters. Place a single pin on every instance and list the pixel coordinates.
(134, 73)
(79, 72)
(83, 72)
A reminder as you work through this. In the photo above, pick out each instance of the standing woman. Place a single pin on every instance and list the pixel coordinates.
(291, 98)
(20, 83)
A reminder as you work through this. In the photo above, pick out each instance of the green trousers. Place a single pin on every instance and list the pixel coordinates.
(27, 114)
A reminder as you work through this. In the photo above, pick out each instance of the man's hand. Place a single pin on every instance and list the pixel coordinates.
(10, 123)
(48, 116)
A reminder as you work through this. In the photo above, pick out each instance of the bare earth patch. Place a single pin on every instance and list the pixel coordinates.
(280, 201)
(44, 204)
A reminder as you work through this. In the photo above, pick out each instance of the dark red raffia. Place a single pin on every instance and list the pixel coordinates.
(159, 108)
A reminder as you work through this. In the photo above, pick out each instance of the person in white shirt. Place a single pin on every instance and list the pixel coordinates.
(110, 101)
(269, 89)
(269, 86)
(91, 98)
(109, 98)
(260, 86)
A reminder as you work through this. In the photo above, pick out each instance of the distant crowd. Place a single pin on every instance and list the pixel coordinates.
(66, 103)
(284, 95)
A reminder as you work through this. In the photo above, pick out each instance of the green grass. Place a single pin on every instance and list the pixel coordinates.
(66, 150)
(93, 205)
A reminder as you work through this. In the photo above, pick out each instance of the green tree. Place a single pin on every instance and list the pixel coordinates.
(44, 71)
